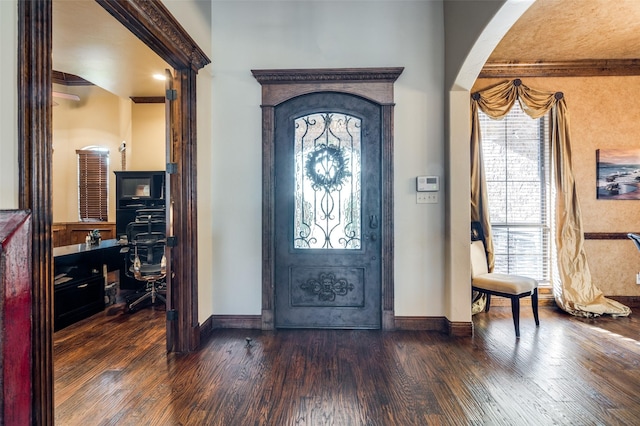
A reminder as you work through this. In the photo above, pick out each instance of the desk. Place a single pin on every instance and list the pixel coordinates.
(80, 279)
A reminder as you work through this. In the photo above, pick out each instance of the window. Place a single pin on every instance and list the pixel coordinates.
(516, 159)
(93, 179)
(327, 182)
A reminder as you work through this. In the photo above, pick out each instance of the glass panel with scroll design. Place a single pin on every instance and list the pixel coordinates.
(327, 207)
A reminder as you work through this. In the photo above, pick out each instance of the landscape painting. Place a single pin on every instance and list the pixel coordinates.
(618, 174)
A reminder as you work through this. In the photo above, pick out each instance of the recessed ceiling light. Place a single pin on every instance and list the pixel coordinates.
(159, 77)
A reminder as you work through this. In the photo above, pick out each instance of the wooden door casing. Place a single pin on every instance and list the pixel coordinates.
(375, 84)
(156, 27)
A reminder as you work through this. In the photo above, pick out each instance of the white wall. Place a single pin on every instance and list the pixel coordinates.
(309, 34)
(318, 34)
(473, 29)
(195, 17)
(8, 105)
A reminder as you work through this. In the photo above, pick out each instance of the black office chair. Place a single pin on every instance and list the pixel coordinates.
(150, 213)
(145, 260)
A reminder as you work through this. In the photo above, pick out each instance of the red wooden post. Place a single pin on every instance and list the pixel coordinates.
(15, 317)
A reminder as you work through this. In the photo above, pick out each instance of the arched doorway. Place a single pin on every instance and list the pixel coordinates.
(156, 27)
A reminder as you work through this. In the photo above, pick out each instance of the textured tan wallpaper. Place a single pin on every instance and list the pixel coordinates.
(604, 113)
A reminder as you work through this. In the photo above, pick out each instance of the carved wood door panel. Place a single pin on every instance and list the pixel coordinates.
(327, 212)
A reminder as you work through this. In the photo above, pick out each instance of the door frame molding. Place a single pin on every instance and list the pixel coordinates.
(278, 86)
(156, 27)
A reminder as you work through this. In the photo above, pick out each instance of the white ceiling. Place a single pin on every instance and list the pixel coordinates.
(90, 43)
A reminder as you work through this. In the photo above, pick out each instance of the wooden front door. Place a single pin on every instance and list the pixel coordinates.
(328, 212)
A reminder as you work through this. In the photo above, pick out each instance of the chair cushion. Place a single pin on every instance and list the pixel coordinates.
(504, 283)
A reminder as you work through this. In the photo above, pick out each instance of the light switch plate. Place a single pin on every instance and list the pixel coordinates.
(426, 198)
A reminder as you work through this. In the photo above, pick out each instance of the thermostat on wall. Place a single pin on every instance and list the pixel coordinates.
(427, 183)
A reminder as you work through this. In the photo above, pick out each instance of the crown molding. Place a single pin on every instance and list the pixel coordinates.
(288, 76)
(66, 79)
(147, 99)
(578, 68)
(152, 23)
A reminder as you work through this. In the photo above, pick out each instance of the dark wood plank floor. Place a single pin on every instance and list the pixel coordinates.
(113, 370)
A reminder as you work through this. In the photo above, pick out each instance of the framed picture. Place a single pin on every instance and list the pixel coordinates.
(618, 174)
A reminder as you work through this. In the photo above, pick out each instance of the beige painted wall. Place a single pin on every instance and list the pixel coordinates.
(102, 119)
(147, 149)
(317, 34)
(604, 114)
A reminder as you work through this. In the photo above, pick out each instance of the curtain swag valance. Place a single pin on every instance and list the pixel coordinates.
(574, 291)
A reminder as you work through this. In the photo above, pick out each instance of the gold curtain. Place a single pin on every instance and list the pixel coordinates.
(574, 292)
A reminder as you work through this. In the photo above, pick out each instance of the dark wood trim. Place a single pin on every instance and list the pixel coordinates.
(206, 328)
(421, 324)
(580, 68)
(387, 272)
(34, 159)
(630, 301)
(245, 322)
(152, 22)
(320, 75)
(251, 322)
(184, 207)
(147, 99)
(157, 28)
(402, 323)
(607, 235)
(268, 217)
(545, 298)
(67, 79)
(459, 328)
(67, 233)
(279, 86)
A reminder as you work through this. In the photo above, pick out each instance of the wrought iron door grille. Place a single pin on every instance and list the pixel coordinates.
(327, 156)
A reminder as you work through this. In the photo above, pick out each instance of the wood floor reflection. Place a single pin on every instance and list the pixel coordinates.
(113, 370)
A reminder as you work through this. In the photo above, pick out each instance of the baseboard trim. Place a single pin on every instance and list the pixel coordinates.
(402, 323)
(421, 324)
(459, 328)
(439, 324)
(630, 301)
(206, 328)
(237, 321)
(545, 298)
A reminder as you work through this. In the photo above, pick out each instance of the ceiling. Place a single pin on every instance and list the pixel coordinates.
(89, 43)
(572, 30)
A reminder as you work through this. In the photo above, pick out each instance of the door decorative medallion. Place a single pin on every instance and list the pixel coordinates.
(326, 287)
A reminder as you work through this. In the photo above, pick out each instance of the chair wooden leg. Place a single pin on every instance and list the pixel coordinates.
(486, 306)
(534, 305)
(515, 311)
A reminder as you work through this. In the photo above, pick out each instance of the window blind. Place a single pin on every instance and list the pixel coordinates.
(516, 159)
(93, 182)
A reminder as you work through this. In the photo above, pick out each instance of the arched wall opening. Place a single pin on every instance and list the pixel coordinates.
(458, 133)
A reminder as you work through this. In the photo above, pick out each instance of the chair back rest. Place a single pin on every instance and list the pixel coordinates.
(146, 241)
(478, 259)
